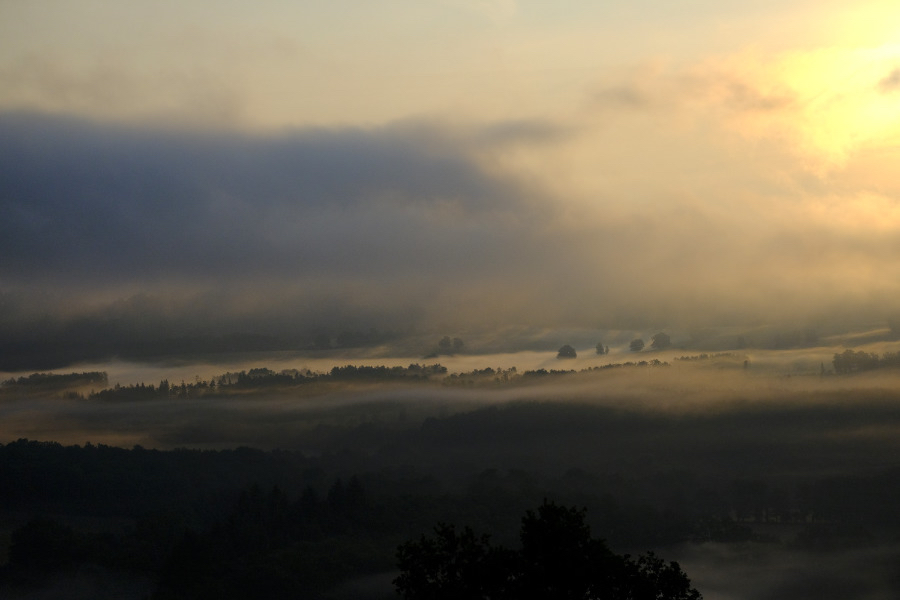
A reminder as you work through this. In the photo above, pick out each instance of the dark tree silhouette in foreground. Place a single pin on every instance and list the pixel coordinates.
(558, 560)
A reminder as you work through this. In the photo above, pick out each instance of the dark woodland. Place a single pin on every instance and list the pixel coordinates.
(336, 505)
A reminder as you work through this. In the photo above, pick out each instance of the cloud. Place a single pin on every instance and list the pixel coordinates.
(822, 105)
(742, 96)
(112, 89)
(496, 10)
(528, 131)
(622, 95)
(310, 228)
(891, 82)
(711, 86)
(129, 231)
(104, 201)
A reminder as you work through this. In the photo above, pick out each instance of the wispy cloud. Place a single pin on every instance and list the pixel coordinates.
(497, 10)
(891, 82)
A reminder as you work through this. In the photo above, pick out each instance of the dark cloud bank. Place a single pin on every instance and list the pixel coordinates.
(140, 231)
(101, 203)
(126, 240)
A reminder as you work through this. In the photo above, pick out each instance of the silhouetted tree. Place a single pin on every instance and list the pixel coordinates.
(661, 341)
(566, 351)
(452, 566)
(601, 349)
(636, 345)
(558, 559)
(450, 346)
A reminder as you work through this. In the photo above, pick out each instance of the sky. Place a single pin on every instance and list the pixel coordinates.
(449, 166)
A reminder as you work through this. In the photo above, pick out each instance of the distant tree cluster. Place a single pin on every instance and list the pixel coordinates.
(566, 351)
(601, 349)
(141, 391)
(497, 376)
(660, 341)
(512, 375)
(413, 371)
(641, 363)
(851, 361)
(446, 345)
(546, 372)
(705, 356)
(52, 380)
(261, 377)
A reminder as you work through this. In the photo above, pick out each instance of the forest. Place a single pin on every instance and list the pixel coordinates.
(283, 484)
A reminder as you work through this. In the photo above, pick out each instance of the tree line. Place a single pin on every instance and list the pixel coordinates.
(262, 379)
(855, 361)
(54, 380)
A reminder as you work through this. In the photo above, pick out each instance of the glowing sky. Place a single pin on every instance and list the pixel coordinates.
(456, 163)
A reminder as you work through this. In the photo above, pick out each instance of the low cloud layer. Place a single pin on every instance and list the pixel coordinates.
(99, 202)
(467, 167)
(410, 225)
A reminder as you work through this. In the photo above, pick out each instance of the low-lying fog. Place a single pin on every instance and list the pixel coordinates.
(769, 416)
(791, 400)
(783, 361)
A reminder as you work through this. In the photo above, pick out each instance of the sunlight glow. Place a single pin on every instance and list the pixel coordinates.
(840, 100)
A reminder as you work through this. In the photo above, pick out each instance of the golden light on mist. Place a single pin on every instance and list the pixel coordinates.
(865, 211)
